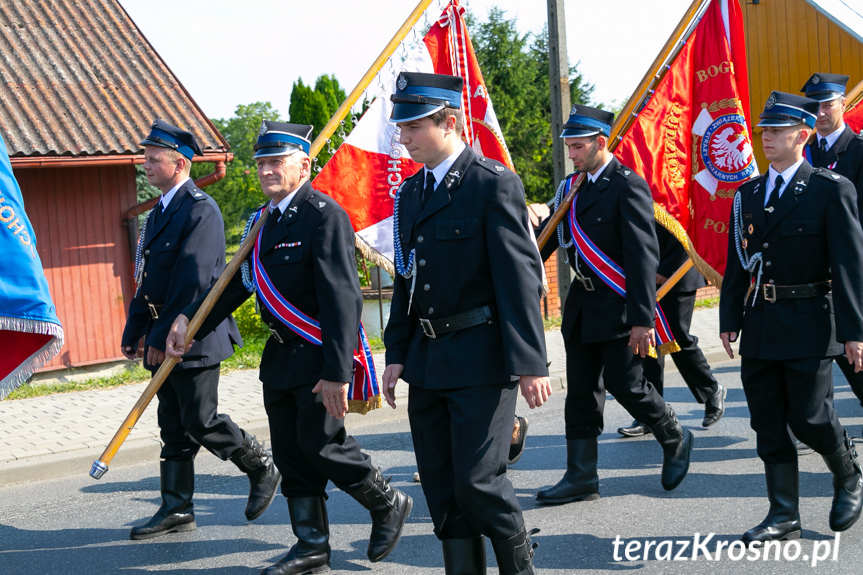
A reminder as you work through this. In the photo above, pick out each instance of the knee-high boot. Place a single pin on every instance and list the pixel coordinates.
(580, 482)
(264, 478)
(515, 555)
(311, 552)
(676, 442)
(847, 486)
(389, 508)
(464, 556)
(177, 511)
(783, 518)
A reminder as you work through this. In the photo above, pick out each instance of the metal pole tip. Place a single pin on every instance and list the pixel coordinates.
(98, 470)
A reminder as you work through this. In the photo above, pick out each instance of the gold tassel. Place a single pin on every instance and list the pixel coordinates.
(363, 407)
(373, 255)
(668, 347)
(671, 224)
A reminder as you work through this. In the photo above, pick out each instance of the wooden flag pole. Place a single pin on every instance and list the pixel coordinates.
(364, 82)
(627, 116)
(100, 466)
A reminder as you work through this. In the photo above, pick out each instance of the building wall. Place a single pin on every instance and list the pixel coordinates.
(786, 42)
(77, 214)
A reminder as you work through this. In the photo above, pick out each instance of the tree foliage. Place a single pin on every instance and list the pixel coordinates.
(516, 71)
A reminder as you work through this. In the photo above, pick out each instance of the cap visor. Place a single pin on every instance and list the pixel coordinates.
(275, 151)
(577, 133)
(405, 112)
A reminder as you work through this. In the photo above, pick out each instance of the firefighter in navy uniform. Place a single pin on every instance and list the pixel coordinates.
(180, 256)
(307, 250)
(605, 333)
(678, 306)
(792, 290)
(465, 328)
(840, 150)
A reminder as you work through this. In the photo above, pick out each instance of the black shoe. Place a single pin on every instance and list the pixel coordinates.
(676, 442)
(802, 448)
(515, 555)
(580, 482)
(176, 514)
(311, 552)
(516, 450)
(264, 478)
(714, 409)
(847, 486)
(637, 429)
(464, 556)
(389, 508)
(783, 518)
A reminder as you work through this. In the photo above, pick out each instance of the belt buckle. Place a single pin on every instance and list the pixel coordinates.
(277, 335)
(768, 288)
(153, 312)
(427, 328)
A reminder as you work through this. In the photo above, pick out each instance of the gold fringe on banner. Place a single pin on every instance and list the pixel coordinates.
(374, 256)
(671, 224)
(363, 407)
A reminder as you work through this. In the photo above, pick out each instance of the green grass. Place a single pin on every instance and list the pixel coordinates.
(707, 303)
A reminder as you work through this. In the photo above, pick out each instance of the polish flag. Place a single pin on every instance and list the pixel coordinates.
(367, 170)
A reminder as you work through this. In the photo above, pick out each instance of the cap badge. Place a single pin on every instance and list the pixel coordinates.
(771, 101)
(403, 82)
(816, 79)
(263, 128)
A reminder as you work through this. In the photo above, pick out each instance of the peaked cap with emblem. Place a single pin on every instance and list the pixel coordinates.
(282, 139)
(825, 87)
(419, 95)
(586, 121)
(165, 135)
(783, 109)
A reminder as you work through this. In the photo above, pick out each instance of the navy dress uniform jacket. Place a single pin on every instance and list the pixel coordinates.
(813, 235)
(616, 213)
(184, 255)
(310, 259)
(847, 152)
(473, 248)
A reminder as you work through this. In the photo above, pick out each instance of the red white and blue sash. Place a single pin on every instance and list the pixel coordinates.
(614, 276)
(807, 151)
(363, 390)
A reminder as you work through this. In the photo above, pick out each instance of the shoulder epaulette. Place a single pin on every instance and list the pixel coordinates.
(492, 166)
(320, 201)
(825, 173)
(198, 195)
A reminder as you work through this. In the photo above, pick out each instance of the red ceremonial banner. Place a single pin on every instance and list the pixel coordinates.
(854, 117)
(692, 141)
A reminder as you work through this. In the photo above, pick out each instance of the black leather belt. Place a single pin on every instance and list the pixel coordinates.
(282, 334)
(772, 292)
(477, 316)
(154, 309)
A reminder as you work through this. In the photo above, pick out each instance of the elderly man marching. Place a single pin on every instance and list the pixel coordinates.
(792, 288)
(304, 272)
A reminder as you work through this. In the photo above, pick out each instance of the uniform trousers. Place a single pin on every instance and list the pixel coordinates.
(690, 361)
(311, 447)
(622, 376)
(795, 393)
(188, 416)
(461, 439)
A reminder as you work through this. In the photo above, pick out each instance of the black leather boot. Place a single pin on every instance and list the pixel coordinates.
(783, 518)
(676, 442)
(580, 482)
(847, 486)
(637, 429)
(264, 478)
(311, 552)
(177, 511)
(714, 407)
(389, 508)
(464, 556)
(515, 555)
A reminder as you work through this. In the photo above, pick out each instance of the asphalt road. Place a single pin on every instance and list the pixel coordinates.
(77, 525)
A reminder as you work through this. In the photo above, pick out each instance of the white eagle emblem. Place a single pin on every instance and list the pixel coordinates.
(321, 204)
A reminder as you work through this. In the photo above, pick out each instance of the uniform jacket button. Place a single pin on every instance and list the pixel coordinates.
(825, 306)
(422, 263)
(426, 287)
(287, 258)
(765, 245)
(457, 231)
(146, 252)
(145, 274)
(431, 310)
(146, 297)
(799, 229)
(768, 264)
(419, 239)
(599, 219)
(167, 244)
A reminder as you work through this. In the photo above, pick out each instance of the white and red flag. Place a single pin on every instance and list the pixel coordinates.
(692, 140)
(365, 172)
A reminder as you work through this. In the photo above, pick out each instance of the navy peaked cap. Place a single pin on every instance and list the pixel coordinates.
(586, 121)
(419, 95)
(282, 139)
(783, 109)
(165, 135)
(825, 87)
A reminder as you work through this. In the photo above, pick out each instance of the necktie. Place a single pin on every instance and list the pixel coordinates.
(823, 144)
(271, 222)
(774, 196)
(157, 211)
(429, 189)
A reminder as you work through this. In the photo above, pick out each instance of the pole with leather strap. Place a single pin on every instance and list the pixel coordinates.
(100, 466)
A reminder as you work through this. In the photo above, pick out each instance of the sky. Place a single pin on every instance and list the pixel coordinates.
(232, 52)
